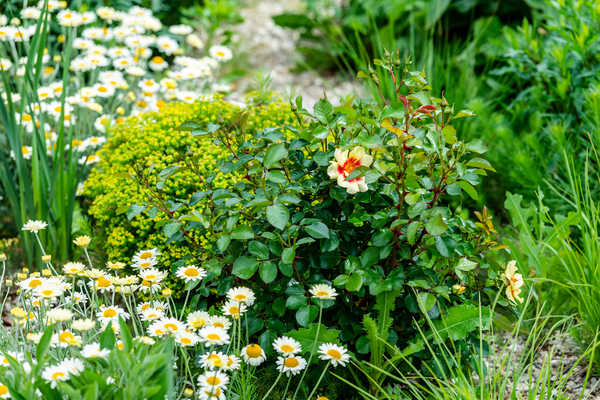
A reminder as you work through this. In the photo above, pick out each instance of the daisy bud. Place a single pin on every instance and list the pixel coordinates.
(47, 258)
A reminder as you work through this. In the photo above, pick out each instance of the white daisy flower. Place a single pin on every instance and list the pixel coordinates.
(55, 374)
(34, 226)
(211, 336)
(213, 380)
(323, 292)
(186, 339)
(191, 273)
(111, 313)
(287, 346)
(220, 53)
(241, 294)
(197, 319)
(291, 365)
(337, 355)
(253, 354)
(93, 350)
(234, 309)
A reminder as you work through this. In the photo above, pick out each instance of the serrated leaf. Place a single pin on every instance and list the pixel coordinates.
(306, 336)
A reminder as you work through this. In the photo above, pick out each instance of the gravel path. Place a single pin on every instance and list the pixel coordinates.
(272, 50)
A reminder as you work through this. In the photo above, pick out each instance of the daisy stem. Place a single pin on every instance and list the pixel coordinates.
(272, 386)
(318, 382)
(44, 251)
(287, 386)
(87, 255)
(187, 296)
(312, 351)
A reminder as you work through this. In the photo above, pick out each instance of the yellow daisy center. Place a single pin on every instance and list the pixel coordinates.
(213, 336)
(213, 380)
(286, 348)
(57, 375)
(34, 283)
(109, 313)
(254, 351)
(334, 354)
(172, 327)
(291, 362)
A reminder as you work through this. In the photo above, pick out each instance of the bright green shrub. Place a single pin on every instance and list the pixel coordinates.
(151, 141)
(546, 82)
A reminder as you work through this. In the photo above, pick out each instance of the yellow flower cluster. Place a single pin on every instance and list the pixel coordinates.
(152, 139)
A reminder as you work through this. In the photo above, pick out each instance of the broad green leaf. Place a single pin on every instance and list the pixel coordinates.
(268, 271)
(44, 344)
(449, 134)
(223, 242)
(278, 216)
(426, 301)
(258, 249)
(295, 302)
(470, 189)
(288, 254)
(306, 314)
(323, 110)
(354, 282)
(134, 211)
(244, 267)
(318, 230)
(456, 324)
(171, 229)
(480, 163)
(411, 232)
(464, 264)
(243, 232)
(274, 154)
(436, 225)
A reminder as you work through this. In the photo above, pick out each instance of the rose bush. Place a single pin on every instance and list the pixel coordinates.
(365, 196)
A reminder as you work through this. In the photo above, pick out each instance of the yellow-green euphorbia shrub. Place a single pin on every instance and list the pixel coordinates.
(152, 140)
